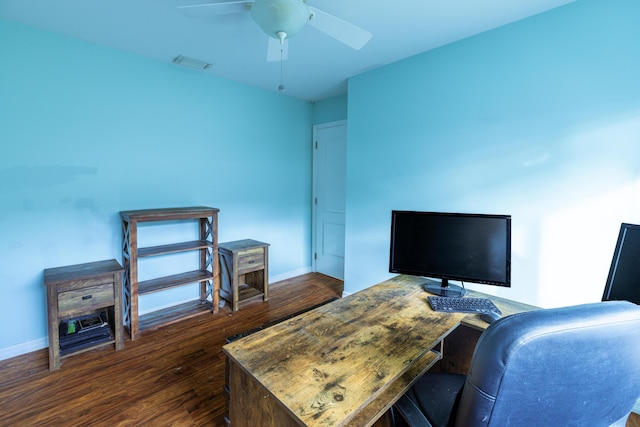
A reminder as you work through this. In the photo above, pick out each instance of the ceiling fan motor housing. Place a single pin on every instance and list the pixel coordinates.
(280, 16)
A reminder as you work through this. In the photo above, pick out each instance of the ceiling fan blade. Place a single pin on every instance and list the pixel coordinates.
(273, 50)
(206, 10)
(343, 31)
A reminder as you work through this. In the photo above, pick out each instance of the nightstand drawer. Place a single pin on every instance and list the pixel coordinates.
(250, 260)
(85, 299)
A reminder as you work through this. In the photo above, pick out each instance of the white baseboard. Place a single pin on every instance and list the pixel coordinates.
(20, 349)
(289, 274)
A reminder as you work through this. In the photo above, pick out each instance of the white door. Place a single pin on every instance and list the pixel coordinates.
(329, 198)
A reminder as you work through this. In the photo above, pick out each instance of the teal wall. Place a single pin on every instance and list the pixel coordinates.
(330, 110)
(88, 131)
(539, 119)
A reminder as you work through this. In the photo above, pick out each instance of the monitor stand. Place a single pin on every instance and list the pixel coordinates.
(444, 289)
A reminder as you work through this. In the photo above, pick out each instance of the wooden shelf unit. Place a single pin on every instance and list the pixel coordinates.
(206, 275)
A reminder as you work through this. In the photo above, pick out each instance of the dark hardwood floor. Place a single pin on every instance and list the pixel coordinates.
(172, 376)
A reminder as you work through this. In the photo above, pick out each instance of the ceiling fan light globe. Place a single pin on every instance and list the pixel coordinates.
(275, 16)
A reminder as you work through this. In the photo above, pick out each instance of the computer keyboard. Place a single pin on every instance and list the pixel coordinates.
(462, 305)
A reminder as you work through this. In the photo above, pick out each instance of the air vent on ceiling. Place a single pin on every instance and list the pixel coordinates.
(191, 63)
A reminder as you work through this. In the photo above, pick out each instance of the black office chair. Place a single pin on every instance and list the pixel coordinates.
(571, 366)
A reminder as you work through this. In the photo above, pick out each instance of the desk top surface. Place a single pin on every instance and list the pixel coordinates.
(327, 364)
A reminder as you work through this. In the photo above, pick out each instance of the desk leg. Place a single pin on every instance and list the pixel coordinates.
(458, 350)
(250, 404)
(633, 420)
(117, 311)
(235, 283)
(54, 332)
(265, 276)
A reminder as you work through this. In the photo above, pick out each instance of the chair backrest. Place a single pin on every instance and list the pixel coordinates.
(570, 366)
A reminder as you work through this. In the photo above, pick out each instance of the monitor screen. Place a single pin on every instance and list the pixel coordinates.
(623, 282)
(451, 246)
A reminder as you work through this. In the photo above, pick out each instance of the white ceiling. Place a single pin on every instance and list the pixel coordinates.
(317, 66)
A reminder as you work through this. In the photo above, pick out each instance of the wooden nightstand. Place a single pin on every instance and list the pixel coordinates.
(245, 270)
(78, 290)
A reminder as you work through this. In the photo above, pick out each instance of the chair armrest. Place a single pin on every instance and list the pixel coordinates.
(411, 413)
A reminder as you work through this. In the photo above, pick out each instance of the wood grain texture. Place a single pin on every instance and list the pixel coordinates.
(172, 376)
(168, 214)
(244, 270)
(207, 276)
(343, 355)
(82, 289)
(507, 307)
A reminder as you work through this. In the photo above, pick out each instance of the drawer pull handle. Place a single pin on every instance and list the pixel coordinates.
(84, 297)
(251, 262)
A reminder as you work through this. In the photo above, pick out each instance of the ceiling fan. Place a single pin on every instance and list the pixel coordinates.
(283, 19)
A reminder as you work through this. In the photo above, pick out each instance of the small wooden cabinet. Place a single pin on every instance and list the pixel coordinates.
(78, 290)
(244, 266)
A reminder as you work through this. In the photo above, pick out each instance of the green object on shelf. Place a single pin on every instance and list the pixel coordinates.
(71, 327)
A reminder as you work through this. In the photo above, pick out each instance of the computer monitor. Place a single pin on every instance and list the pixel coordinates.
(623, 282)
(451, 246)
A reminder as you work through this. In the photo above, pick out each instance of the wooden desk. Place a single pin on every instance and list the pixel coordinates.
(461, 343)
(344, 363)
